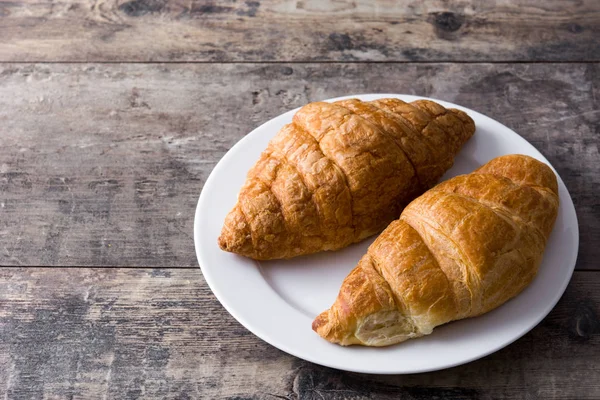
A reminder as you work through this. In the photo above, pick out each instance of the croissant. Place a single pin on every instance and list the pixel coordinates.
(460, 250)
(341, 172)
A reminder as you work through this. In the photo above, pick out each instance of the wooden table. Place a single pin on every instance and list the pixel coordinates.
(113, 114)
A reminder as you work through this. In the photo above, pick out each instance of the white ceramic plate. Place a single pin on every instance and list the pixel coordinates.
(278, 300)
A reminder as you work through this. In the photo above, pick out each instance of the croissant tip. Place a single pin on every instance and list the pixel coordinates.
(522, 169)
(237, 245)
(222, 243)
(319, 322)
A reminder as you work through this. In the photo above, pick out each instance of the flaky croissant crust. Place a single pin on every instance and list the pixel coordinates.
(341, 172)
(461, 249)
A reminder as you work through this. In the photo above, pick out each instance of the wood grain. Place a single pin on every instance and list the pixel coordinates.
(160, 334)
(299, 30)
(102, 165)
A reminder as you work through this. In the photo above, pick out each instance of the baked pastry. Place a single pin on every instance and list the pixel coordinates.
(461, 249)
(341, 172)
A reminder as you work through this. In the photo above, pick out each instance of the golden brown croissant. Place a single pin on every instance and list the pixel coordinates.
(341, 172)
(461, 249)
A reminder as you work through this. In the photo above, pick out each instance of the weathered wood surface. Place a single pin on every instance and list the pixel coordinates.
(160, 334)
(102, 165)
(299, 30)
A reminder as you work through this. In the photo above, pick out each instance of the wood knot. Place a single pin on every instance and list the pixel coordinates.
(287, 70)
(446, 23)
(574, 28)
(584, 322)
(340, 42)
(137, 8)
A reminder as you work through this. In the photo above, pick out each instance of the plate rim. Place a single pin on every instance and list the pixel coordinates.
(568, 203)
